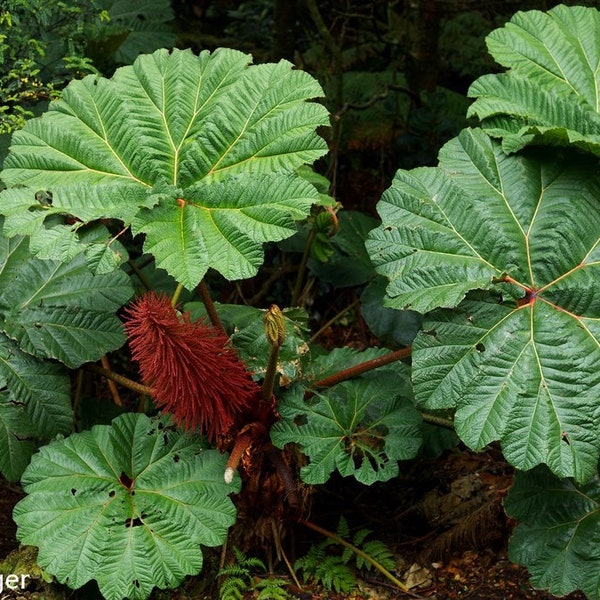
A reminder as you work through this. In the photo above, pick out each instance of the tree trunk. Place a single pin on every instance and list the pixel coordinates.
(284, 29)
(423, 59)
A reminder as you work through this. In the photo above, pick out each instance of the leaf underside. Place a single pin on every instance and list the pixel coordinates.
(199, 153)
(127, 504)
(518, 361)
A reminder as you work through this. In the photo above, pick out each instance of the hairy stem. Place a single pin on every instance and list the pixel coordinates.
(269, 381)
(368, 365)
(111, 384)
(439, 421)
(242, 443)
(120, 379)
(278, 461)
(176, 294)
(211, 311)
(338, 540)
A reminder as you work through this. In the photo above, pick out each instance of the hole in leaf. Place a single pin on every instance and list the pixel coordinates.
(176, 458)
(126, 480)
(133, 522)
(300, 420)
(565, 438)
(136, 583)
(141, 17)
(479, 347)
(73, 491)
(151, 432)
(112, 493)
(166, 439)
(377, 462)
(431, 332)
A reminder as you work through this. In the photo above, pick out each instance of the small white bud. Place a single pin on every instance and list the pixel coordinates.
(228, 475)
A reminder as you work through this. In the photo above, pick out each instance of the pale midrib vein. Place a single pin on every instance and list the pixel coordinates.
(277, 106)
(104, 138)
(42, 287)
(194, 115)
(87, 168)
(543, 378)
(590, 251)
(452, 228)
(527, 237)
(594, 73)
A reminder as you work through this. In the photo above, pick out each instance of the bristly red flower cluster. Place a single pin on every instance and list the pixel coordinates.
(193, 373)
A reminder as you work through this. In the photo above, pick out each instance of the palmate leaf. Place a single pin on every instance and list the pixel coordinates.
(197, 152)
(48, 310)
(59, 310)
(127, 504)
(551, 93)
(558, 532)
(35, 405)
(519, 363)
(361, 427)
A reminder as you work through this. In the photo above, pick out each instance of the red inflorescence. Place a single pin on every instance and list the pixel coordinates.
(193, 372)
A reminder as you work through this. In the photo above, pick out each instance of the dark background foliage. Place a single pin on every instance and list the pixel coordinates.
(395, 75)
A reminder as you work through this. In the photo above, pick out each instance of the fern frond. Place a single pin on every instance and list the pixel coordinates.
(238, 575)
(360, 536)
(272, 589)
(378, 551)
(343, 529)
(233, 589)
(309, 563)
(335, 575)
(234, 570)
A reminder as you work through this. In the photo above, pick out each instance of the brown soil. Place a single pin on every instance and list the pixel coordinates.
(442, 518)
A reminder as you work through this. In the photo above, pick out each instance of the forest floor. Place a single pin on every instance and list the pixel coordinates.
(442, 518)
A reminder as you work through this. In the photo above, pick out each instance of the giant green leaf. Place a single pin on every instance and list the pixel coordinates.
(48, 310)
(35, 404)
(199, 153)
(551, 93)
(362, 428)
(558, 534)
(127, 504)
(59, 310)
(520, 365)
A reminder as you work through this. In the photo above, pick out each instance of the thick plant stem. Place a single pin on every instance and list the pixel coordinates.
(120, 379)
(269, 380)
(338, 540)
(176, 294)
(211, 311)
(111, 384)
(274, 323)
(439, 421)
(368, 365)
